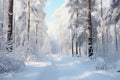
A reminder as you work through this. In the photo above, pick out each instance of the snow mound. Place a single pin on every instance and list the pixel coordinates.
(10, 65)
(100, 64)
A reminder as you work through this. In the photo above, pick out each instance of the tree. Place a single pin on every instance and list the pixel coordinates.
(78, 24)
(102, 26)
(90, 32)
(28, 25)
(74, 10)
(10, 26)
(2, 18)
(113, 18)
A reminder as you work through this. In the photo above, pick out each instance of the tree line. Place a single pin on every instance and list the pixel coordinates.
(23, 28)
(94, 26)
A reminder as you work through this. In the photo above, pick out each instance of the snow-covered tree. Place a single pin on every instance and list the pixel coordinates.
(29, 31)
(23, 27)
(81, 25)
(112, 19)
(74, 8)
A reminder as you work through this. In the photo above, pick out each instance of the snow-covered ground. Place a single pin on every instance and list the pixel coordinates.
(55, 67)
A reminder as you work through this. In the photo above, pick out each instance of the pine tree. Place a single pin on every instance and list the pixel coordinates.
(78, 23)
(90, 36)
(10, 26)
(74, 10)
(113, 18)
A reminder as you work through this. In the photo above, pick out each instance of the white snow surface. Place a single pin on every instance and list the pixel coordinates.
(56, 67)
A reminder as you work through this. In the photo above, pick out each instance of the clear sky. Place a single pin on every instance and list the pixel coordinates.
(51, 6)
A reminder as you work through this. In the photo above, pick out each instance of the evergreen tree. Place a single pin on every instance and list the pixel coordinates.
(78, 23)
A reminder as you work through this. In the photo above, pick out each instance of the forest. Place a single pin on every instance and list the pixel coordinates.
(81, 43)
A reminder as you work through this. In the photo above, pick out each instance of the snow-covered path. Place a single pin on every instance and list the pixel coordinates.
(55, 67)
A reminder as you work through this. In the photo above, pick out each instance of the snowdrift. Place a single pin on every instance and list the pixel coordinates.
(10, 65)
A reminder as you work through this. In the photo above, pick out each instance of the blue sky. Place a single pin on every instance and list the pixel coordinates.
(51, 6)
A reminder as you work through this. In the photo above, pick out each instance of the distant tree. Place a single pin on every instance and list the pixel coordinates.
(28, 25)
(113, 17)
(102, 25)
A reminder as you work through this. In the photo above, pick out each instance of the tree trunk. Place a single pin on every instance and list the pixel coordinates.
(10, 26)
(36, 33)
(14, 30)
(77, 15)
(72, 45)
(2, 14)
(90, 38)
(102, 28)
(76, 48)
(28, 26)
(116, 38)
(79, 50)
